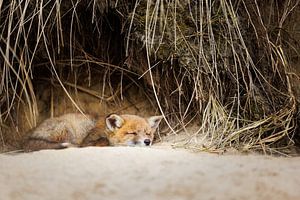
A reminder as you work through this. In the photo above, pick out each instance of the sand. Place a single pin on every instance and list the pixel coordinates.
(146, 173)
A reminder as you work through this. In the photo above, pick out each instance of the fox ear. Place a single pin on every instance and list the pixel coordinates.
(114, 121)
(154, 121)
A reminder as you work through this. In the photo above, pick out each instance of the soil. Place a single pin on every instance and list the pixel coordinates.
(158, 172)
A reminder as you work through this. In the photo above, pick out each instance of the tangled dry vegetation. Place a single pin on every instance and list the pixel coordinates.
(229, 66)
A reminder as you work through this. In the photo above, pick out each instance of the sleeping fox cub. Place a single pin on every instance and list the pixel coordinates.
(77, 130)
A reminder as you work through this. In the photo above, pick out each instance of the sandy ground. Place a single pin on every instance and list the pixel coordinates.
(146, 173)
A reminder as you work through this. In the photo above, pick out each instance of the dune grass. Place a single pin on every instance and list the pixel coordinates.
(225, 65)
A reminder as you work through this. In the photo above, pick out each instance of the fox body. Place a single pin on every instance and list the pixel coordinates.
(78, 130)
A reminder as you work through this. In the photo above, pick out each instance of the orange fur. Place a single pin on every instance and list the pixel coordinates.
(77, 130)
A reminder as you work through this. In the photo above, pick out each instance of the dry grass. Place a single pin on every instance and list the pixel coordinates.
(225, 65)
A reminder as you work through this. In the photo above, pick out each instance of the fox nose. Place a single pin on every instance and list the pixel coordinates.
(147, 142)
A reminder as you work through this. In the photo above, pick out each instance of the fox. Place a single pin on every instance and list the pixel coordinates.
(82, 130)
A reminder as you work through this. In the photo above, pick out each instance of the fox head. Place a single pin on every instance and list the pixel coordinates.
(131, 130)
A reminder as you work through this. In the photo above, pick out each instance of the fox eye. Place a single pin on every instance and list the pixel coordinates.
(148, 134)
(133, 133)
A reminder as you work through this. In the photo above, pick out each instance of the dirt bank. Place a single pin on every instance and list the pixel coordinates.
(146, 173)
